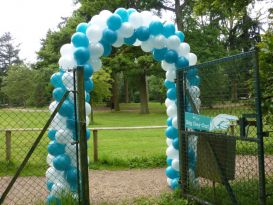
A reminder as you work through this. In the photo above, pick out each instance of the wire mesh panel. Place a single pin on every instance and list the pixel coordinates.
(222, 132)
(38, 152)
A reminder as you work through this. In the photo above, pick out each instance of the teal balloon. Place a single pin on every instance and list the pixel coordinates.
(122, 12)
(51, 134)
(71, 123)
(169, 121)
(171, 93)
(61, 162)
(49, 185)
(180, 35)
(82, 27)
(89, 85)
(194, 81)
(175, 184)
(169, 161)
(79, 39)
(58, 93)
(109, 36)
(88, 134)
(88, 71)
(114, 22)
(130, 11)
(71, 175)
(176, 143)
(181, 62)
(107, 48)
(67, 109)
(143, 33)
(169, 30)
(169, 84)
(82, 55)
(55, 148)
(131, 40)
(53, 200)
(171, 173)
(171, 56)
(171, 132)
(87, 97)
(191, 73)
(56, 80)
(159, 54)
(156, 28)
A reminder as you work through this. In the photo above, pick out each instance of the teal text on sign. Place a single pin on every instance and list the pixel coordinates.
(197, 122)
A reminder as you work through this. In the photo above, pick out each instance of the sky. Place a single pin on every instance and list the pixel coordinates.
(29, 20)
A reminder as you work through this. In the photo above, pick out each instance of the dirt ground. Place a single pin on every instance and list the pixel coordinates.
(117, 186)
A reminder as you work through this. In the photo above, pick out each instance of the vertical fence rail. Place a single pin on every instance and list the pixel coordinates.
(83, 141)
(8, 144)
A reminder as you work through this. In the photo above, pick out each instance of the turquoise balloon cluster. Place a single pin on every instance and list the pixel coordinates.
(89, 43)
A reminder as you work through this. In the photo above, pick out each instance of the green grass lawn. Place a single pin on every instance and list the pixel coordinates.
(117, 149)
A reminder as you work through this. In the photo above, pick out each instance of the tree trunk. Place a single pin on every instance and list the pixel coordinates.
(126, 88)
(144, 108)
(115, 92)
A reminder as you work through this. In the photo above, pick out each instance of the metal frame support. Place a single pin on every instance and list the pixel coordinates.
(82, 137)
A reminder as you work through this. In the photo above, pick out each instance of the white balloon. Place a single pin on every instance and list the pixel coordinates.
(136, 20)
(67, 62)
(172, 110)
(67, 80)
(67, 49)
(192, 59)
(183, 49)
(175, 164)
(53, 106)
(173, 42)
(169, 181)
(147, 46)
(169, 102)
(58, 122)
(105, 14)
(174, 122)
(87, 108)
(147, 16)
(96, 64)
(126, 30)
(87, 120)
(168, 66)
(137, 43)
(197, 103)
(172, 153)
(70, 149)
(94, 33)
(54, 175)
(194, 91)
(98, 20)
(169, 141)
(64, 136)
(49, 160)
(170, 75)
(96, 50)
(119, 42)
(159, 41)
(60, 189)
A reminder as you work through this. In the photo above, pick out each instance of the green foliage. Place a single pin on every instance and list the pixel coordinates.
(157, 91)
(266, 73)
(102, 81)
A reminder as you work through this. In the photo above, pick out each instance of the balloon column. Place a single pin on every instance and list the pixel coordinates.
(88, 44)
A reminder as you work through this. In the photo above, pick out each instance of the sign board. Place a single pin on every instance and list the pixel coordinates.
(197, 122)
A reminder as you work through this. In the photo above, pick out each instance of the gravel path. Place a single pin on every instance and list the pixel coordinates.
(116, 186)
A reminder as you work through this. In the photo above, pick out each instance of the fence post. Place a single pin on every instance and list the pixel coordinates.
(8, 145)
(95, 145)
(83, 141)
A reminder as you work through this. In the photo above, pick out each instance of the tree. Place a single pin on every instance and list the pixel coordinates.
(8, 52)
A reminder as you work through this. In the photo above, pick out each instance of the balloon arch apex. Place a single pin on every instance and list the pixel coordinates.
(89, 43)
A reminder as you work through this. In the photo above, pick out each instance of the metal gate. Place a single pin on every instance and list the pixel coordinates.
(225, 150)
(23, 166)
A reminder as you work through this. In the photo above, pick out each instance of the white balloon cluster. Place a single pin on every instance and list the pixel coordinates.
(95, 39)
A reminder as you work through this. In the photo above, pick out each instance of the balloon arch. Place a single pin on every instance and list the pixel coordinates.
(90, 42)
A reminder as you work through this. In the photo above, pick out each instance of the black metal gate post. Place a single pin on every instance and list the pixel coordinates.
(83, 141)
(183, 153)
(262, 192)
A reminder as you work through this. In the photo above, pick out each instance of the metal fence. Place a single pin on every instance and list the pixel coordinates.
(231, 162)
(27, 155)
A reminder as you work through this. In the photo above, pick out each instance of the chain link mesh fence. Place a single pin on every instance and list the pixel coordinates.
(50, 175)
(225, 163)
